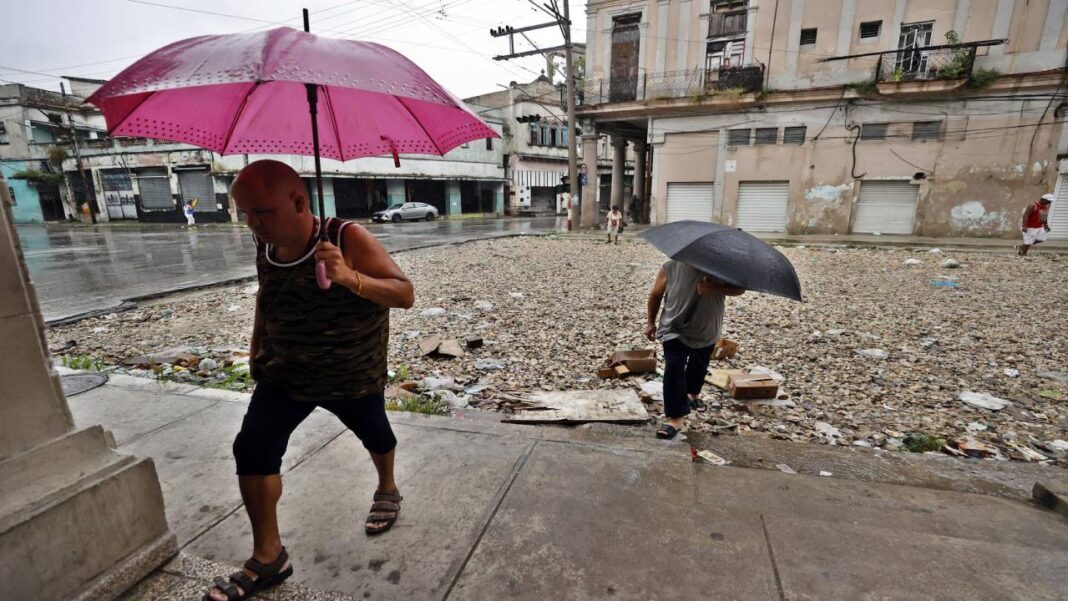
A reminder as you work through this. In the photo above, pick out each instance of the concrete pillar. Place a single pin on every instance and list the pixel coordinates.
(590, 216)
(640, 148)
(498, 198)
(452, 198)
(619, 165)
(328, 196)
(77, 519)
(395, 192)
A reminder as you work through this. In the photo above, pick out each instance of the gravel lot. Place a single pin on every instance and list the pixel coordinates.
(551, 309)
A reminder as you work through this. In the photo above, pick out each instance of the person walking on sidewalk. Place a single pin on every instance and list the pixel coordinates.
(1035, 224)
(310, 348)
(689, 327)
(614, 224)
(187, 210)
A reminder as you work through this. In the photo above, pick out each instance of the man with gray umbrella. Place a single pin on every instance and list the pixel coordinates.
(689, 327)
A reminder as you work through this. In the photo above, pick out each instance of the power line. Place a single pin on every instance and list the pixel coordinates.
(206, 12)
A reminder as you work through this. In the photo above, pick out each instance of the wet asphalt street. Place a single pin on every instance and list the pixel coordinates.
(82, 269)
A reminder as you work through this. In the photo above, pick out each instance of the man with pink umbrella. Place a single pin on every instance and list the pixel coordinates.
(326, 286)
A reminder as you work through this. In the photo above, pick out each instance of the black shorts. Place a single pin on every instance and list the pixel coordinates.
(272, 417)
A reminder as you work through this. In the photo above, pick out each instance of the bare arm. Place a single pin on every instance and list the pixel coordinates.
(656, 297)
(367, 269)
(708, 286)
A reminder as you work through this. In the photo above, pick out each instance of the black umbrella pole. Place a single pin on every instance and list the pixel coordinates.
(313, 101)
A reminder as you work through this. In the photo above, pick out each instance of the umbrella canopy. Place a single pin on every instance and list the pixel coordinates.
(245, 94)
(728, 254)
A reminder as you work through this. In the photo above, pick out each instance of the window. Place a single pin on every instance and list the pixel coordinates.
(489, 143)
(927, 130)
(739, 137)
(534, 140)
(808, 37)
(873, 131)
(563, 135)
(545, 135)
(725, 53)
(3, 134)
(794, 135)
(870, 29)
(553, 136)
(767, 135)
(727, 23)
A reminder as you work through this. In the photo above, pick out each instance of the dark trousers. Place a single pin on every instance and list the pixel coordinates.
(684, 373)
(272, 416)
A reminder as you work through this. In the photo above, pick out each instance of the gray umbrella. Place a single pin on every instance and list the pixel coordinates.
(728, 254)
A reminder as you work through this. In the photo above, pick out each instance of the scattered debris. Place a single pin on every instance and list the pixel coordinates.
(429, 345)
(653, 389)
(475, 342)
(484, 306)
(712, 458)
(767, 371)
(432, 312)
(432, 384)
(873, 353)
(945, 284)
(581, 406)
(624, 363)
(981, 400)
(785, 468)
(826, 474)
(720, 378)
(752, 386)
(935, 251)
(1055, 395)
(950, 264)
(489, 364)
(1012, 373)
(912, 262)
(725, 349)
(832, 434)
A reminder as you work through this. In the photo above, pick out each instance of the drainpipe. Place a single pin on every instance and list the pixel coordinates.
(771, 44)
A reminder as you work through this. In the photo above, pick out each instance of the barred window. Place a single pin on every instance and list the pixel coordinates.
(873, 131)
(808, 36)
(794, 135)
(870, 29)
(927, 130)
(534, 138)
(3, 133)
(739, 137)
(767, 135)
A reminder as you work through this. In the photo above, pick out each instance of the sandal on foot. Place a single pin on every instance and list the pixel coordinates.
(267, 575)
(385, 507)
(667, 431)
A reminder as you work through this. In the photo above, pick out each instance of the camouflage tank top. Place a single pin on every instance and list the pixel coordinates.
(317, 345)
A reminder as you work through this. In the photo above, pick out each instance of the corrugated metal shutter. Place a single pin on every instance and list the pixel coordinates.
(155, 188)
(690, 200)
(1058, 213)
(762, 206)
(885, 208)
(198, 184)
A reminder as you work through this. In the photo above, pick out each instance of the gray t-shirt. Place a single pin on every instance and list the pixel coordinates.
(694, 320)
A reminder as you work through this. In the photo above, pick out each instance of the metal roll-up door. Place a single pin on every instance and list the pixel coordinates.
(690, 200)
(1058, 213)
(762, 206)
(155, 187)
(885, 208)
(198, 184)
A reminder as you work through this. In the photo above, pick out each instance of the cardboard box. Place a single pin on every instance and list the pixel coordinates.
(753, 386)
(606, 373)
(636, 362)
(720, 378)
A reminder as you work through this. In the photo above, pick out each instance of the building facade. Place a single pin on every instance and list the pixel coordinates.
(931, 118)
(150, 180)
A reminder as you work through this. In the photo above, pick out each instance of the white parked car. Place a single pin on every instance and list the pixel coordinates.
(409, 211)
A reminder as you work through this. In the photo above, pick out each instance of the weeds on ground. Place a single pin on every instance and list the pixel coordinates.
(237, 378)
(432, 405)
(400, 375)
(922, 443)
(84, 363)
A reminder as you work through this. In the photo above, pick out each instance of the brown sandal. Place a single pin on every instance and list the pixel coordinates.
(385, 507)
(267, 575)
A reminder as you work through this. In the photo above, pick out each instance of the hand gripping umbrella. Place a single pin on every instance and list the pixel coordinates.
(251, 93)
(729, 254)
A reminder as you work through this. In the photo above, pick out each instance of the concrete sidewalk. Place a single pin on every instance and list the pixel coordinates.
(497, 511)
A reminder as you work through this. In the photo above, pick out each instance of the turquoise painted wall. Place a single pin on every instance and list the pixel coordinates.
(498, 199)
(328, 196)
(452, 198)
(27, 207)
(395, 192)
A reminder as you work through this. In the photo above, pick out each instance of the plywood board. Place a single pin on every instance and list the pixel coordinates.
(582, 406)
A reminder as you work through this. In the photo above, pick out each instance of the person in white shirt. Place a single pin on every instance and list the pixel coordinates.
(614, 223)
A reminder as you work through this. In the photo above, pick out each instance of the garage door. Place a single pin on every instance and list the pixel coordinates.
(762, 206)
(155, 187)
(198, 184)
(690, 200)
(1058, 213)
(885, 208)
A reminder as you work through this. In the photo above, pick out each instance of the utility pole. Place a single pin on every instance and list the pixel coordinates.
(78, 157)
(563, 21)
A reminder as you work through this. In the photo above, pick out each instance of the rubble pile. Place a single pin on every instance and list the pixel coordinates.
(882, 353)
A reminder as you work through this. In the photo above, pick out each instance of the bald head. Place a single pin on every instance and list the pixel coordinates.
(275, 201)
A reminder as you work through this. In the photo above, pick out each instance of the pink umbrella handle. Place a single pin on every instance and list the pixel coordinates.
(320, 276)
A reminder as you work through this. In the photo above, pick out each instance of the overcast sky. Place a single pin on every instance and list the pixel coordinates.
(98, 38)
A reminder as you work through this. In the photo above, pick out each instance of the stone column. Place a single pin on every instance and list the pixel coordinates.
(640, 151)
(498, 198)
(619, 165)
(452, 198)
(590, 215)
(77, 519)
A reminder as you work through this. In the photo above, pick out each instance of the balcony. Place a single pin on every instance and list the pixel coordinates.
(695, 84)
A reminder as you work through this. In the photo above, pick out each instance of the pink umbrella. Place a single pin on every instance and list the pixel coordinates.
(251, 93)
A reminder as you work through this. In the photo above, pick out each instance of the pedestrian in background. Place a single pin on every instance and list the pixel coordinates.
(187, 208)
(689, 327)
(1035, 224)
(614, 224)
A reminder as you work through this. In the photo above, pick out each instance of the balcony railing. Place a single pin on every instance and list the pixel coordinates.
(932, 62)
(696, 84)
